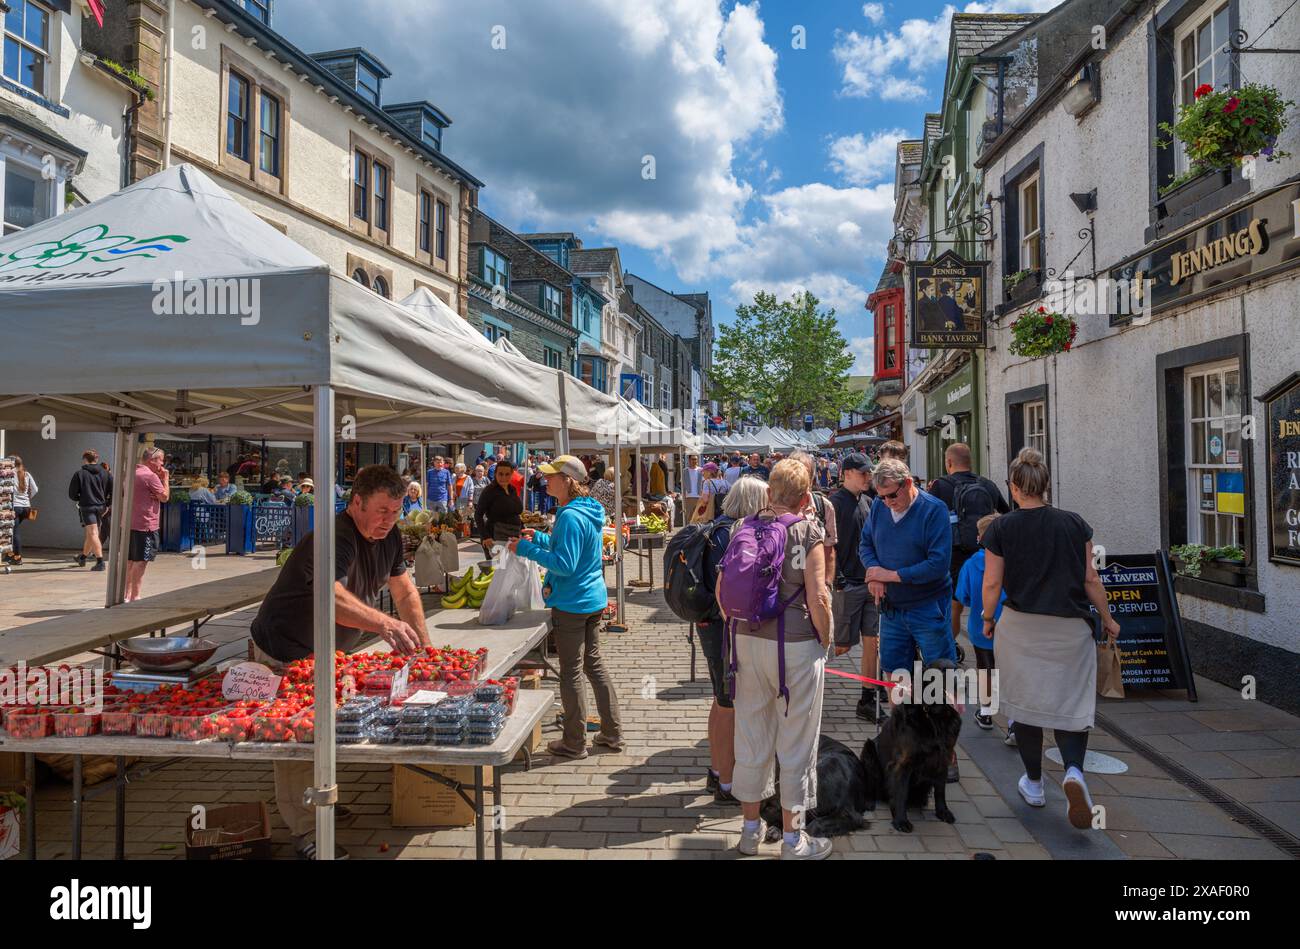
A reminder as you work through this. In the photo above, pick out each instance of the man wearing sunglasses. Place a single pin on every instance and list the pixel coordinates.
(906, 548)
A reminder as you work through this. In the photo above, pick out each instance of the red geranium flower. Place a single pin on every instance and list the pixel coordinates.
(1066, 347)
(1048, 321)
(1042, 309)
(1202, 90)
(1248, 121)
(1231, 106)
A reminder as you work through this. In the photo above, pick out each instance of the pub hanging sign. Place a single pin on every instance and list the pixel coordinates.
(948, 302)
(1282, 407)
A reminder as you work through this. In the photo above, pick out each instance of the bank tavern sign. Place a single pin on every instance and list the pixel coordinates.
(1249, 241)
(1282, 405)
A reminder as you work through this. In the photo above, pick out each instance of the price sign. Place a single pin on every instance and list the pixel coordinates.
(250, 680)
(401, 684)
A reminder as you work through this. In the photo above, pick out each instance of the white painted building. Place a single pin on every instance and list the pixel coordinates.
(1144, 421)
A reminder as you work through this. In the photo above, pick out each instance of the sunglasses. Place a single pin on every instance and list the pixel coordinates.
(890, 497)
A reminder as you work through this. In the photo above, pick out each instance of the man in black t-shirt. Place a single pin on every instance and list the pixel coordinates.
(367, 556)
(855, 612)
(969, 497)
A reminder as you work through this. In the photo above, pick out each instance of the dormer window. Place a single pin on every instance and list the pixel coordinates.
(367, 83)
(430, 132)
(260, 9)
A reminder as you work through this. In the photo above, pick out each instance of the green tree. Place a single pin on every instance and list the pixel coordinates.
(787, 358)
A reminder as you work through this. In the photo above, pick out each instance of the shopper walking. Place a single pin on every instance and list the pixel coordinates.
(1044, 641)
(756, 467)
(778, 703)
(497, 510)
(23, 509)
(969, 592)
(745, 499)
(969, 497)
(602, 490)
(92, 488)
(411, 500)
(438, 486)
(576, 593)
(713, 488)
(151, 489)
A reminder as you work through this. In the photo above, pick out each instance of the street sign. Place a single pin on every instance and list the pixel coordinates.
(1153, 653)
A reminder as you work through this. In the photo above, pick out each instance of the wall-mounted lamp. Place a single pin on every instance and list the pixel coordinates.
(1085, 91)
(1085, 201)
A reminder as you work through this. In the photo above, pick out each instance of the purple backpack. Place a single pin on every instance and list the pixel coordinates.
(750, 590)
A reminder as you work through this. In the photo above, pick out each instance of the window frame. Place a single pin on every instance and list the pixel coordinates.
(1198, 469)
(54, 192)
(1030, 204)
(260, 84)
(48, 69)
(424, 221)
(264, 97)
(427, 121)
(1171, 439)
(548, 296)
(501, 274)
(381, 204)
(259, 10)
(429, 255)
(442, 220)
(365, 91)
(245, 139)
(1189, 29)
(381, 232)
(1028, 169)
(1016, 435)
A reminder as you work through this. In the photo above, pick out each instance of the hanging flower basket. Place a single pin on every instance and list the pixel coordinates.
(1042, 333)
(1222, 128)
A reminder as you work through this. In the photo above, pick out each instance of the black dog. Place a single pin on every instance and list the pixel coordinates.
(844, 791)
(910, 756)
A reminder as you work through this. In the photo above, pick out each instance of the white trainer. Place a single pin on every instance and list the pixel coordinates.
(1079, 808)
(808, 848)
(1032, 791)
(749, 840)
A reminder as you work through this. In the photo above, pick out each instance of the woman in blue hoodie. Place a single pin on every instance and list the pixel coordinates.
(575, 591)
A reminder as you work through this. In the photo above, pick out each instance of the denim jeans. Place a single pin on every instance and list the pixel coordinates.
(927, 625)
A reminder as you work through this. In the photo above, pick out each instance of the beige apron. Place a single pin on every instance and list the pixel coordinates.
(1046, 670)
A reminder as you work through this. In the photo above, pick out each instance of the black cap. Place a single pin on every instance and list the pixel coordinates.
(855, 461)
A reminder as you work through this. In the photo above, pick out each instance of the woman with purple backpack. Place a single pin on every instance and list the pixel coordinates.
(779, 630)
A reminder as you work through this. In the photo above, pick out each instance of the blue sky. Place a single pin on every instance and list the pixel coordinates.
(773, 164)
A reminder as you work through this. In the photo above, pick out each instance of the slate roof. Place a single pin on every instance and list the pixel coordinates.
(911, 153)
(972, 33)
(596, 260)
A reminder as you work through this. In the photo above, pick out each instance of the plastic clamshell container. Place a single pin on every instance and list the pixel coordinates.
(458, 689)
(359, 709)
(489, 693)
(416, 714)
(27, 725)
(352, 739)
(117, 721)
(193, 727)
(304, 726)
(420, 739)
(384, 735)
(230, 727)
(271, 728)
(75, 724)
(487, 712)
(388, 715)
(156, 724)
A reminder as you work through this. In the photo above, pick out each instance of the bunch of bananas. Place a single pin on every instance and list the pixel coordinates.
(468, 591)
(654, 524)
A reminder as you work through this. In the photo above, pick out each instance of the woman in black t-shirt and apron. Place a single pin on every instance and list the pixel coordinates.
(1044, 640)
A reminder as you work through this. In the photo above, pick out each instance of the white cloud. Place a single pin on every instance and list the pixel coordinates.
(873, 12)
(891, 64)
(557, 123)
(864, 349)
(859, 160)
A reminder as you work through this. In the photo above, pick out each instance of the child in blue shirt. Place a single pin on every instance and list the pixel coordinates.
(970, 593)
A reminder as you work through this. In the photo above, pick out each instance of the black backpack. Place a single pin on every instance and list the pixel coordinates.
(686, 588)
(970, 502)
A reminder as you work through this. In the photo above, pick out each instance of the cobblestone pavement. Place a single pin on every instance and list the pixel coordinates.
(649, 802)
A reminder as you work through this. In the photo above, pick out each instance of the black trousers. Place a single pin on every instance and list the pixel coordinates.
(1029, 742)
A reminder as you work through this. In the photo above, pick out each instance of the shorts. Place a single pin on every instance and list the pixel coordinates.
(855, 614)
(712, 636)
(959, 558)
(144, 546)
(437, 507)
(90, 515)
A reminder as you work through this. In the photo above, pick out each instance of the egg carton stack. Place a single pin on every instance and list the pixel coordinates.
(8, 488)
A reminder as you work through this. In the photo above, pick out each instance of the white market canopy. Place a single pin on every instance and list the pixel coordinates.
(169, 306)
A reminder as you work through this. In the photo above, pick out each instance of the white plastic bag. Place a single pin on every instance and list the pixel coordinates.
(509, 578)
(428, 563)
(532, 598)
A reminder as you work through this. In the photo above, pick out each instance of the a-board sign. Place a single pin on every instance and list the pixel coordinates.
(1153, 653)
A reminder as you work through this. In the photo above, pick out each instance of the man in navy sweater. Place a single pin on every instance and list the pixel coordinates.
(906, 548)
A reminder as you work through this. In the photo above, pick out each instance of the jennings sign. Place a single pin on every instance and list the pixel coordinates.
(948, 302)
(1283, 404)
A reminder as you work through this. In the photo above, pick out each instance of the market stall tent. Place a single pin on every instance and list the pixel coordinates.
(169, 306)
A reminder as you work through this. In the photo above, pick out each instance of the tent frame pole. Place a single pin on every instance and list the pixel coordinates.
(618, 526)
(324, 792)
(120, 529)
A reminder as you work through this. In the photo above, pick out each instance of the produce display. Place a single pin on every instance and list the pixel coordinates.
(653, 524)
(534, 519)
(468, 591)
(474, 710)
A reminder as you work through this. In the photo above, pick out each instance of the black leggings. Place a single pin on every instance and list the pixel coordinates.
(1029, 740)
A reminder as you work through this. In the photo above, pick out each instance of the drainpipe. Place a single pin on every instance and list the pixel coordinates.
(167, 81)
